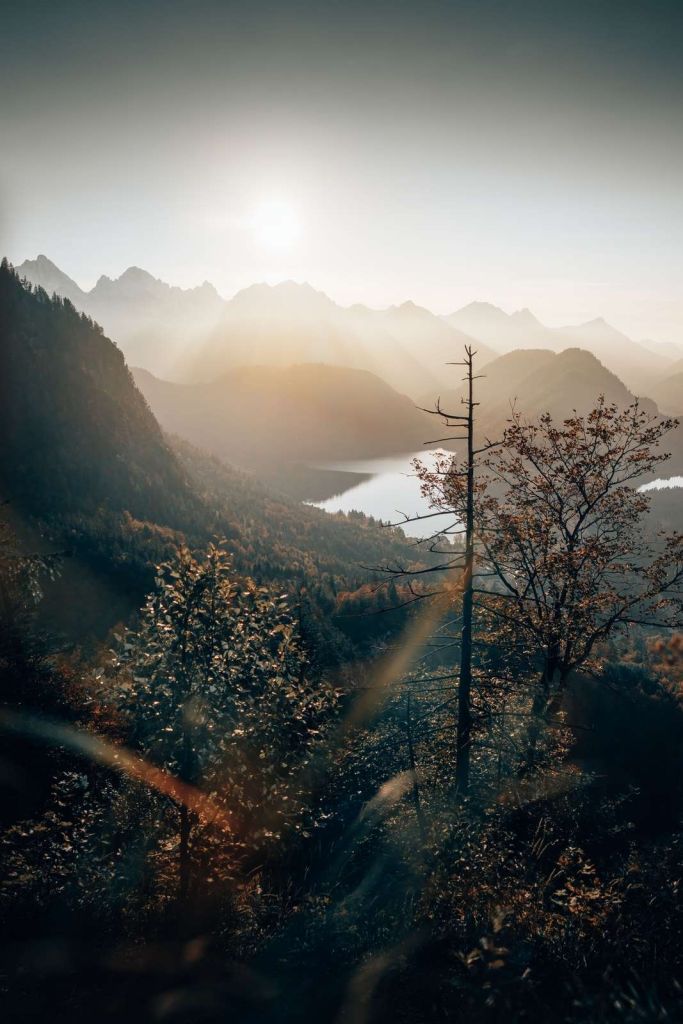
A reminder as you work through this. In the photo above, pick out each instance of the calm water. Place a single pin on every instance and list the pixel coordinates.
(663, 484)
(392, 489)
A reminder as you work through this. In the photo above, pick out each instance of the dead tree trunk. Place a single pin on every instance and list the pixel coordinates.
(464, 727)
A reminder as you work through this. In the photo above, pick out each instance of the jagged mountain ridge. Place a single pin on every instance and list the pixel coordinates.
(195, 335)
(638, 365)
(405, 345)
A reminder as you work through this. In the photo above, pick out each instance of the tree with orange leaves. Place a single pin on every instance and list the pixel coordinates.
(563, 559)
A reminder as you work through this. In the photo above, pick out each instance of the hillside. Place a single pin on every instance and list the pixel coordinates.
(668, 393)
(87, 470)
(638, 365)
(77, 434)
(537, 381)
(311, 413)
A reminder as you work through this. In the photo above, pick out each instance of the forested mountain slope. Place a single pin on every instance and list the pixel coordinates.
(261, 415)
(539, 380)
(85, 468)
(77, 434)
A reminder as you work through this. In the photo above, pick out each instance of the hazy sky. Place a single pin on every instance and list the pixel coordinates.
(528, 153)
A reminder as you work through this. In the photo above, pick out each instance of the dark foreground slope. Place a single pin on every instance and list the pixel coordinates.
(77, 434)
(86, 469)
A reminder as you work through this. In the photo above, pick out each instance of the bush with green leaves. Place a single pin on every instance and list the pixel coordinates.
(214, 689)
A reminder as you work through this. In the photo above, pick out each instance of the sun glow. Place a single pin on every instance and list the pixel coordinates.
(276, 225)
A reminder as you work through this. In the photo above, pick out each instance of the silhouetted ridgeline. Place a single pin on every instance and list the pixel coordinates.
(85, 464)
(77, 434)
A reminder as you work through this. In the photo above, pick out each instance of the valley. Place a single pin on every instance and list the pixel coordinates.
(341, 512)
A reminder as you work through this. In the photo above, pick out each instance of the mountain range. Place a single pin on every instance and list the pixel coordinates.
(639, 365)
(194, 335)
(86, 469)
(86, 463)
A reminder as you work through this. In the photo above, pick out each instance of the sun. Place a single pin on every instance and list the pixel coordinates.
(276, 225)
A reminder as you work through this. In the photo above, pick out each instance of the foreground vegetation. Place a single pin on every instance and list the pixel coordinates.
(243, 800)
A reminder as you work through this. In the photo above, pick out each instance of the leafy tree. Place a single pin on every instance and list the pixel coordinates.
(25, 673)
(562, 546)
(215, 689)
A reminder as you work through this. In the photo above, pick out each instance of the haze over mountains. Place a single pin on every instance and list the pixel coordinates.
(195, 335)
(262, 416)
(638, 365)
(152, 322)
(668, 392)
(85, 464)
(536, 381)
(82, 443)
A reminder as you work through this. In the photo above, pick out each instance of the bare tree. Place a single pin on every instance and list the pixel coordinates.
(460, 524)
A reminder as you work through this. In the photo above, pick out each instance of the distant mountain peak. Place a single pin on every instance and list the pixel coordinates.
(43, 272)
(598, 321)
(42, 261)
(137, 274)
(410, 308)
(282, 294)
(599, 328)
(481, 307)
(525, 316)
(207, 287)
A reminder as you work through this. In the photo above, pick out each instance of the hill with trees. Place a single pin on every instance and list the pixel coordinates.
(77, 432)
(264, 416)
(637, 364)
(535, 381)
(87, 470)
(668, 391)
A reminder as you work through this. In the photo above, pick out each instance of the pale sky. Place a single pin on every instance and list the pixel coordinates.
(524, 153)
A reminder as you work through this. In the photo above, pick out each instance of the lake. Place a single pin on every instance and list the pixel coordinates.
(392, 489)
(663, 484)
